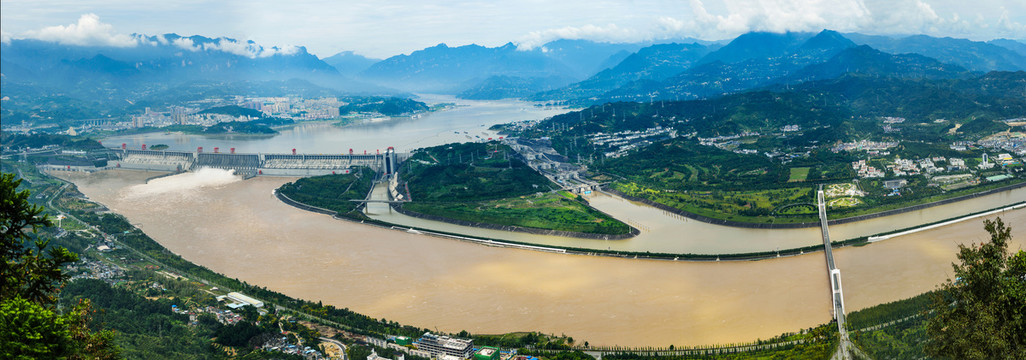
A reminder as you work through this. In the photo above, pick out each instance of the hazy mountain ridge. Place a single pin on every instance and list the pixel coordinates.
(755, 60)
(349, 63)
(166, 60)
(656, 62)
(747, 68)
(973, 55)
(446, 69)
(505, 87)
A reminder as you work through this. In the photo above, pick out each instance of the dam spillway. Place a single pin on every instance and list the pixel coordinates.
(249, 165)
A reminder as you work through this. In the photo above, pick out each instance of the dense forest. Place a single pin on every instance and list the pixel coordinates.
(470, 172)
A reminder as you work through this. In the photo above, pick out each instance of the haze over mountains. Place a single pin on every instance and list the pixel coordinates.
(572, 71)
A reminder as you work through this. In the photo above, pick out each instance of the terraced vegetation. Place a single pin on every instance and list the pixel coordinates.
(485, 183)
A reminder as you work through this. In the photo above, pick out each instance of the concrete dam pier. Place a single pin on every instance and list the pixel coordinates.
(250, 165)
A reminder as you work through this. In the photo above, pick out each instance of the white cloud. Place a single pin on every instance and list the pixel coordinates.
(608, 33)
(5, 37)
(89, 31)
(184, 43)
(248, 49)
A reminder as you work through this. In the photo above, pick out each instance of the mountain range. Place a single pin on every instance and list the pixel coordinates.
(67, 79)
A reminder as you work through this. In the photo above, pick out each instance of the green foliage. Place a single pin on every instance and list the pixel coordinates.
(902, 340)
(705, 168)
(30, 281)
(30, 331)
(35, 141)
(982, 313)
(31, 271)
(239, 127)
(470, 172)
(541, 211)
(485, 183)
(390, 106)
(333, 192)
(915, 306)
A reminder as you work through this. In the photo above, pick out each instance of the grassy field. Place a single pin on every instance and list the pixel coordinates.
(754, 206)
(483, 183)
(554, 211)
(799, 174)
(760, 206)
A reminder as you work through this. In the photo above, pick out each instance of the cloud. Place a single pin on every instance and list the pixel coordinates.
(608, 33)
(248, 49)
(89, 31)
(724, 19)
(5, 37)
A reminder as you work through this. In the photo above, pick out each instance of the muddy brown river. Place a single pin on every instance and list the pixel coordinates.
(239, 229)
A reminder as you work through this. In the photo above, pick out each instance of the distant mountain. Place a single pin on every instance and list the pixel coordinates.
(864, 60)
(750, 61)
(349, 63)
(973, 55)
(165, 60)
(453, 70)
(757, 45)
(505, 87)
(656, 62)
(585, 57)
(445, 69)
(1017, 46)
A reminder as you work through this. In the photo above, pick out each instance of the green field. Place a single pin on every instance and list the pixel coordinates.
(484, 183)
(755, 206)
(552, 211)
(799, 174)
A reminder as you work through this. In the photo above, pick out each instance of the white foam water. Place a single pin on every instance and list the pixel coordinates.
(183, 183)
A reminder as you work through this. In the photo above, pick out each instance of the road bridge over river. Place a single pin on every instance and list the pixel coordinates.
(845, 348)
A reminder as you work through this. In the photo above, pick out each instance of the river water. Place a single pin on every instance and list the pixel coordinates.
(664, 232)
(467, 122)
(239, 229)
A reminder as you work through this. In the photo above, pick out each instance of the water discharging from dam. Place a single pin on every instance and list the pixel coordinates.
(239, 229)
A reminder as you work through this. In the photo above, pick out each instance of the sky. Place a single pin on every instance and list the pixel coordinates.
(380, 29)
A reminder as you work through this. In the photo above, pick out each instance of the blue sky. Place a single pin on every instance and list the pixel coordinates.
(385, 28)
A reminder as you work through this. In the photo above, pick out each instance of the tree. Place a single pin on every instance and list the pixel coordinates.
(30, 280)
(982, 313)
(25, 271)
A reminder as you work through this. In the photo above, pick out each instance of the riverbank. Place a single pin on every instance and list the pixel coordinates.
(725, 222)
(523, 229)
(748, 256)
(241, 230)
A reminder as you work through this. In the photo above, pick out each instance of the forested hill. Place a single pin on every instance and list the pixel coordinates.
(839, 102)
(758, 59)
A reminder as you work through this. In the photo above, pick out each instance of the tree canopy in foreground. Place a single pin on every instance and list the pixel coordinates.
(982, 313)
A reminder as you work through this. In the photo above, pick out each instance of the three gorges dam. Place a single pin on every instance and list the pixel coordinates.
(247, 165)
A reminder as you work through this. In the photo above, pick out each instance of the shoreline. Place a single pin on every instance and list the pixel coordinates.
(802, 225)
(513, 228)
(751, 256)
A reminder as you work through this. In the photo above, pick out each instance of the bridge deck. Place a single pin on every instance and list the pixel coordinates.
(836, 291)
